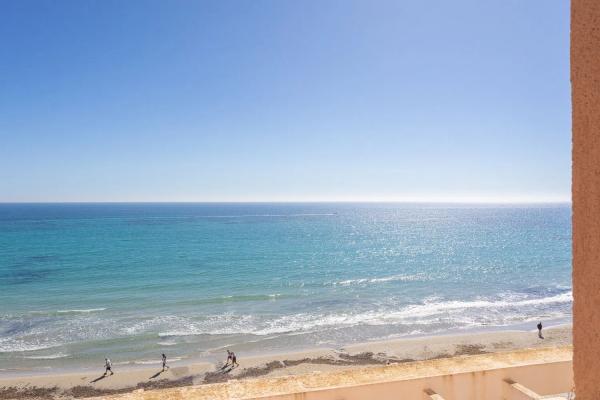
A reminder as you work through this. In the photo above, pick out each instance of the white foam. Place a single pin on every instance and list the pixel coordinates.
(433, 312)
(436, 307)
(48, 357)
(147, 362)
(150, 323)
(423, 314)
(351, 281)
(9, 346)
(85, 310)
(189, 332)
(401, 277)
(404, 278)
(426, 313)
(74, 311)
(152, 362)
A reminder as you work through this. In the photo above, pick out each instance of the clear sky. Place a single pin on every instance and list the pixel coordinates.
(284, 100)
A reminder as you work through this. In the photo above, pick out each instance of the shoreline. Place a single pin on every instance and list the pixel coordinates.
(81, 384)
(213, 359)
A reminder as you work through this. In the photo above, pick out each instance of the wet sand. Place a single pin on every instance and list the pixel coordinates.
(87, 384)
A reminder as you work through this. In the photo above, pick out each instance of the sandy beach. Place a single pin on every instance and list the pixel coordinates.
(91, 383)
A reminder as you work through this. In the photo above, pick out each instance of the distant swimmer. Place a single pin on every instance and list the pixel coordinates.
(164, 362)
(108, 366)
(539, 326)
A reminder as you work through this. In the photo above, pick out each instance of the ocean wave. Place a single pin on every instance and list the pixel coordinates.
(66, 312)
(400, 277)
(88, 310)
(249, 297)
(437, 307)
(430, 312)
(234, 299)
(48, 357)
(166, 343)
(10, 346)
(426, 313)
(225, 324)
(147, 324)
(186, 332)
(152, 362)
(38, 331)
(148, 362)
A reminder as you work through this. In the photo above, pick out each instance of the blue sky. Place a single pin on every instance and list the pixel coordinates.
(284, 100)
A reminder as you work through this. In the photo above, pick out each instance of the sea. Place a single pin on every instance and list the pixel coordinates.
(80, 282)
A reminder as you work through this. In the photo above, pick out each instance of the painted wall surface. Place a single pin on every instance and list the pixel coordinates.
(489, 385)
(585, 80)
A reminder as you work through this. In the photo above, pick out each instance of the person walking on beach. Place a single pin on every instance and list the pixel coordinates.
(164, 362)
(231, 357)
(539, 326)
(108, 366)
(234, 362)
(229, 353)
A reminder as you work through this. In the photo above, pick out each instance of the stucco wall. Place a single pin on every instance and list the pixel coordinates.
(545, 379)
(585, 79)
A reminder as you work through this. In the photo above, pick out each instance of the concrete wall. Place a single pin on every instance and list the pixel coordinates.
(585, 79)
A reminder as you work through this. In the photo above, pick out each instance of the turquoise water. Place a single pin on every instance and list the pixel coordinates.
(130, 281)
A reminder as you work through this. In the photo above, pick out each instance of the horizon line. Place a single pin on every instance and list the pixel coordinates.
(314, 201)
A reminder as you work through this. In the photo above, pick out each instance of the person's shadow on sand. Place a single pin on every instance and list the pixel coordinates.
(99, 378)
(225, 369)
(156, 375)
